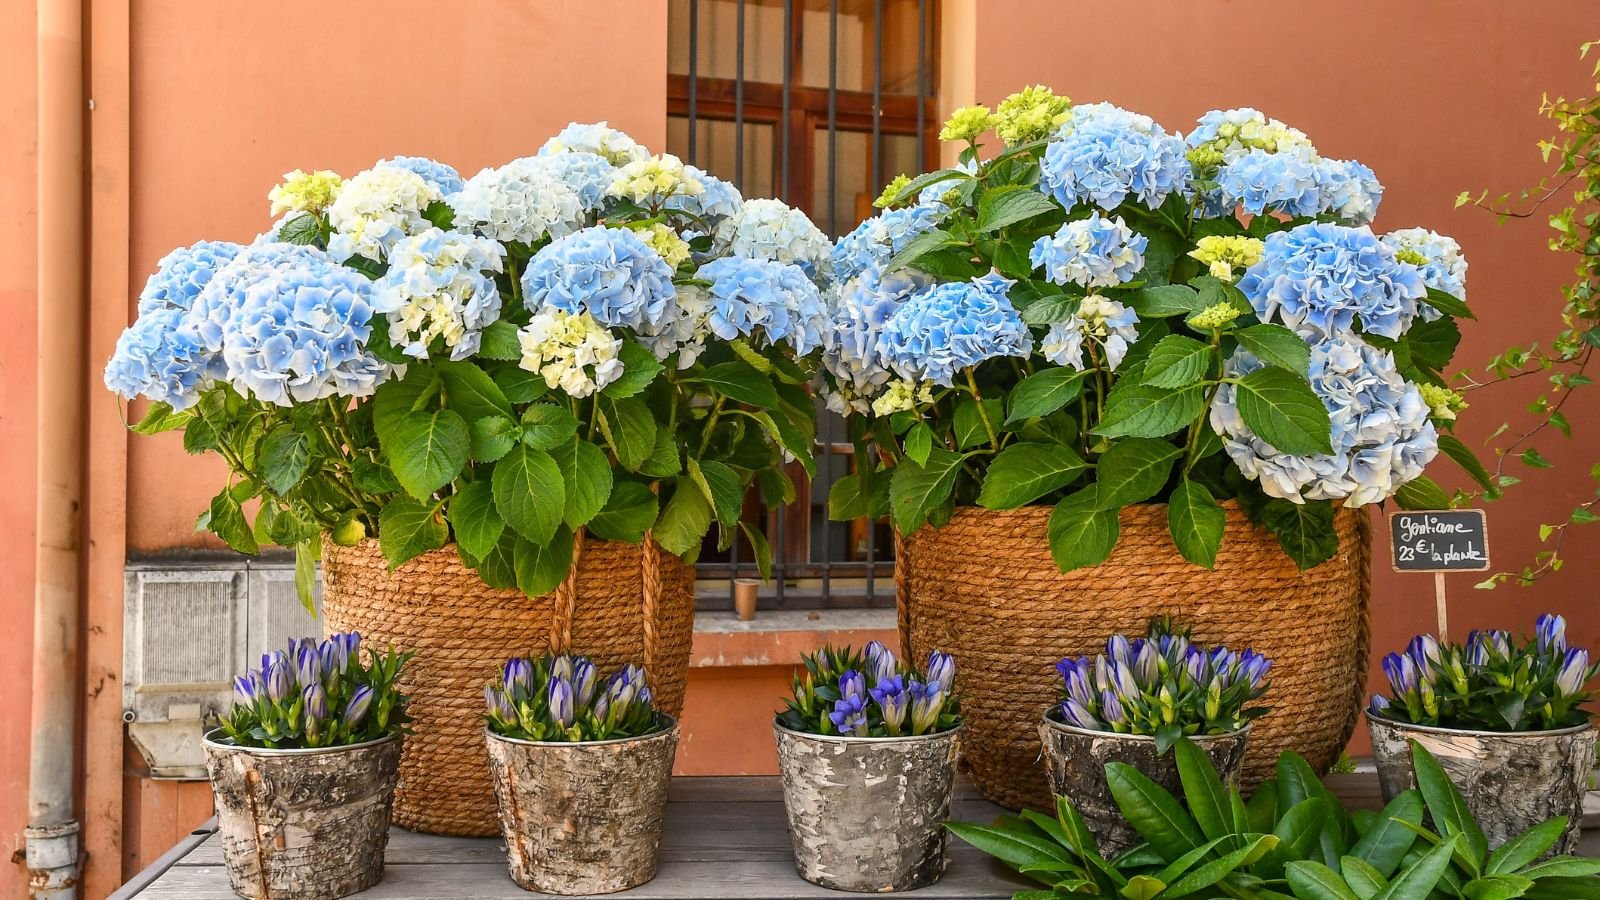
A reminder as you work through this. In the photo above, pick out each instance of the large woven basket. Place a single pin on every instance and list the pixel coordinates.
(623, 603)
(985, 588)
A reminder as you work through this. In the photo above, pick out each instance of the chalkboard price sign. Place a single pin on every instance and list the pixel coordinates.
(1454, 540)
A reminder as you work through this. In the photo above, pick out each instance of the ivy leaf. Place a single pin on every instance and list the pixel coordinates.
(684, 521)
(1278, 346)
(1144, 411)
(427, 450)
(1132, 470)
(1280, 407)
(639, 368)
(473, 517)
(541, 567)
(407, 529)
(1002, 206)
(470, 391)
(285, 456)
(529, 493)
(587, 474)
(628, 513)
(629, 428)
(500, 341)
(740, 381)
(1304, 530)
(545, 425)
(227, 521)
(1081, 534)
(1042, 393)
(1196, 521)
(1177, 361)
(1022, 473)
(721, 486)
(915, 490)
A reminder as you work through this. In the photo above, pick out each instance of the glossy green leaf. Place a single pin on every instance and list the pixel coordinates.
(1160, 301)
(1024, 472)
(500, 341)
(1447, 808)
(541, 567)
(629, 428)
(544, 425)
(629, 512)
(470, 391)
(685, 520)
(1388, 841)
(915, 490)
(1315, 881)
(1151, 412)
(639, 368)
(407, 529)
(474, 518)
(427, 450)
(1277, 346)
(530, 494)
(1080, 533)
(1155, 814)
(1196, 521)
(1281, 408)
(285, 457)
(1203, 791)
(1132, 470)
(1001, 207)
(1419, 878)
(587, 475)
(1042, 393)
(740, 381)
(721, 486)
(1176, 361)
(491, 438)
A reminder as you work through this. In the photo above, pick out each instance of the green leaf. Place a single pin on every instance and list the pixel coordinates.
(227, 522)
(629, 512)
(1448, 304)
(663, 460)
(739, 381)
(500, 341)
(759, 549)
(1024, 472)
(407, 529)
(923, 244)
(1001, 207)
(1051, 308)
(969, 428)
(639, 368)
(1161, 301)
(1365, 880)
(1281, 408)
(1304, 530)
(1080, 533)
(1497, 887)
(491, 438)
(1143, 887)
(1132, 470)
(1463, 456)
(1433, 344)
(629, 428)
(159, 418)
(1446, 807)
(1196, 521)
(1300, 829)
(915, 490)
(498, 567)
(373, 476)
(721, 486)
(305, 574)
(1203, 790)
(301, 229)
(1315, 881)
(1386, 844)
(545, 425)
(529, 493)
(519, 386)
(1042, 393)
(1419, 878)
(427, 450)
(1177, 361)
(1278, 346)
(1151, 412)
(587, 475)
(470, 391)
(1155, 814)
(919, 442)
(1563, 867)
(285, 456)
(542, 567)
(685, 519)
(1214, 871)
(1011, 845)
(1422, 492)
(473, 517)
(394, 399)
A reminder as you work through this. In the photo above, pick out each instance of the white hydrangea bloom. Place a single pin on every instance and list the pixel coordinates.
(599, 139)
(654, 179)
(772, 230)
(573, 353)
(520, 201)
(440, 285)
(683, 330)
(375, 209)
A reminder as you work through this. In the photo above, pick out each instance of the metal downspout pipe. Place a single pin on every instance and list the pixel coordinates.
(52, 835)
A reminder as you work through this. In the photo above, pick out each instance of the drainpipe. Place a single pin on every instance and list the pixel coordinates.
(52, 833)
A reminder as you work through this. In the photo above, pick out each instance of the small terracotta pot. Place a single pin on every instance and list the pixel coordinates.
(1075, 760)
(867, 814)
(303, 824)
(583, 817)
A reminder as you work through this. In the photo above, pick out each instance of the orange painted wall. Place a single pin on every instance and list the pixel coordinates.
(1437, 99)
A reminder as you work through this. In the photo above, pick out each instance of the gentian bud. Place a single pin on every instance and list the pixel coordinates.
(499, 707)
(1424, 651)
(880, 661)
(1111, 710)
(1119, 650)
(316, 708)
(277, 678)
(356, 709)
(851, 684)
(246, 688)
(561, 668)
(308, 665)
(560, 698)
(1146, 661)
(927, 702)
(1253, 667)
(1380, 704)
(893, 701)
(1574, 672)
(517, 679)
(942, 670)
(585, 679)
(1552, 633)
(1078, 716)
(1402, 673)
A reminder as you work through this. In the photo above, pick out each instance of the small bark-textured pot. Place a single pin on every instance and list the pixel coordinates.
(583, 817)
(303, 824)
(1075, 760)
(867, 814)
(1511, 780)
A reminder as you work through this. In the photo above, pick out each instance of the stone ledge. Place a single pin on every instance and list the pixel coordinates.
(778, 637)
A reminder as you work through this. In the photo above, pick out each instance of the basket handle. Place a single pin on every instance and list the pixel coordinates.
(651, 587)
(566, 600)
(902, 592)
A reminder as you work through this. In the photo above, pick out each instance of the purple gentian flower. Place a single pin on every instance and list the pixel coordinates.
(277, 679)
(1552, 633)
(1380, 704)
(356, 709)
(1574, 672)
(1111, 709)
(851, 684)
(942, 670)
(499, 707)
(560, 699)
(893, 700)
(927, 702)
(881, 662)
(1079, 716)
(585, 680)
(517, 679)
(849, 715)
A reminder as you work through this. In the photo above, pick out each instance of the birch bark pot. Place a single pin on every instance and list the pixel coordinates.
(1511, 780)
(303, 824)
(1075, 762)
(584, 817)
(867, 814)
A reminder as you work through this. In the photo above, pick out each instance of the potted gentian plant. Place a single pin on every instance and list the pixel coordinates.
(1099, 368)
(581, 765)
(1505, 719)
(1130, 704)
(544, 386)
(867, 749)
(304, 767)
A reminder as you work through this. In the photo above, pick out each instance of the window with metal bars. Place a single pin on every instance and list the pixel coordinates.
(817, 103)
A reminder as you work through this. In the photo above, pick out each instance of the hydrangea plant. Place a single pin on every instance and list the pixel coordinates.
(592, 340)
(318, 695)
(1490, 683)
(564, 698)
(1102, 312)
(872, 693)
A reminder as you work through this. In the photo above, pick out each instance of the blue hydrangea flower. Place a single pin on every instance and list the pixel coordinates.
(1381, 435)
(1443, 266)
(522, 201)
(1261, 182)
(777, 298)
(607, 272)
(1105, 153)
(716, 201)
(1106, 323)
(440, 286)
(1094, 253)
(953, 326)
(861, 308)
(1318, 277)
(442, 176)
(224, 293)
(300, 334)
(770, 229)
(160, 356)
(875, 241)
(1348, 191)
(183, 273)
(587, 174)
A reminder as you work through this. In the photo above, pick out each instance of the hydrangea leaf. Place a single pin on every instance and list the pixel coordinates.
(1278, 346)
(759, 549)
(587, 474)
(427, 450)
(492, 437)
(740, 381)
(1448, 304)
(1422, 492)
(1160, 301)
(721, 487)
(1196, 521)
(1042, 393)
(474, 519)
(969, 428)
(470, 391)
(628, 514)
(1022, 473)
(397, 397)
(1304, 530)
(639, 368)
(1080, 534)
(684, 521)
(1132, 470)
(629, 428)
(1279, 406)
(500, 341)
(226, 520)
(541, 567)
(407, 529)
(663, 460)
(919, 442)
(529, 493)
(914, 490)
(518, 384)
(285, 457)
(1151, 412)
(160, 418)
(544, 425)
(1176, 361)
(1011, 204)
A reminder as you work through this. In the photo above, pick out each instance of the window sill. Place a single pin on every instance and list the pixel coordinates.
(778, 637)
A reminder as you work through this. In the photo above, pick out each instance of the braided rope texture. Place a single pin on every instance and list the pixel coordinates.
(462, 631)
(984, 588)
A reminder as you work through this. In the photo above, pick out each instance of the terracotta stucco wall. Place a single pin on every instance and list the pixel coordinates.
(1437, 98)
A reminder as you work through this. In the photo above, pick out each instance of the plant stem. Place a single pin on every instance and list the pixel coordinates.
(988, 426)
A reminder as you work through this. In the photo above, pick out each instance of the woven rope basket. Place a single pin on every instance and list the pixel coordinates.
(623, 603)
(985, 588)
